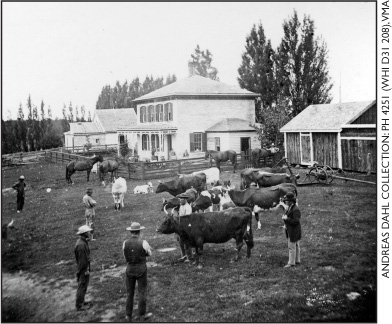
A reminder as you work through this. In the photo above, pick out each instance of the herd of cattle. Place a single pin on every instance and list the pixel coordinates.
(229, 211)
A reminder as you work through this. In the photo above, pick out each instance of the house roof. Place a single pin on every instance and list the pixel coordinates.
(197, 85)
(231, 125)
(327, 117)
(112, 119)
(83, 128)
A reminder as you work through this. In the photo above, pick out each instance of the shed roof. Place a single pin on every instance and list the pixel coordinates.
(112, 119)
(231, 125)
(327, 117)
(197, 85)
(83, 128)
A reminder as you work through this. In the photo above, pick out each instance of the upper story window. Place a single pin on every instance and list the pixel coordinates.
(143, 114)
(168, 112)
(158, 113)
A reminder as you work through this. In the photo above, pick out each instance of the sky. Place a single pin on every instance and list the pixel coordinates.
(67, 52)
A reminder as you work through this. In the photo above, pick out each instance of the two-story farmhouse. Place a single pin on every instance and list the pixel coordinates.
(193, 115)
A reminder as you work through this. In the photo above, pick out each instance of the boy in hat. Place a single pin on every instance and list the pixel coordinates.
(89, 203)
(82, 255)
(135, 252)
(20, 196)
(292, 221)
(185, 209)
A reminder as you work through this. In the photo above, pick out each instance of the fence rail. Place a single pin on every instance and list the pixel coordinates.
(93, 149)
(162, 169)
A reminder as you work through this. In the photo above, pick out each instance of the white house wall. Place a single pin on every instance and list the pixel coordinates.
(224, 141)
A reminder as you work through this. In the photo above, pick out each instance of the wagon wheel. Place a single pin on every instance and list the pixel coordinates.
(329, 172)
(313, 175)
(322, 176)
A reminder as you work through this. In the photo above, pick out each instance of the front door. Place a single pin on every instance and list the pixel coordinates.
(305, 149)
(245, 147)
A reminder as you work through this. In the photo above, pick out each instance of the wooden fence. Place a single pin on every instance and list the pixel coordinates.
(93, 149)
(163, 169)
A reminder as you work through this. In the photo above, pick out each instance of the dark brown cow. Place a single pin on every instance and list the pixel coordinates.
(180, 185)
(260, 199)
(249, 175)
(216, 227)
(265, 179)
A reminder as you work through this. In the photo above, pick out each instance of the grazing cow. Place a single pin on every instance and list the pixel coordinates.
(217, 227)
(5, 228)
(175, 201)
(119, 189)
(143, 189)
(260, 199)
(250, 175)
(180, 185)
(265, 179)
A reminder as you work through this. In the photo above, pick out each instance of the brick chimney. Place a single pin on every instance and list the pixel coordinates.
(191, 68)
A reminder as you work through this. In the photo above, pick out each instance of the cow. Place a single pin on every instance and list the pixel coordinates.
(5, 228)
(249, 175)
(143, 189)
(265, 179)
(216, 227)
(175, 201)
(180, 185)
(260, 199)
(212, 175)
(119, 189)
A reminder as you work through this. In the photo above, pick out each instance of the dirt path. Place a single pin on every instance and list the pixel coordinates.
(31, 298)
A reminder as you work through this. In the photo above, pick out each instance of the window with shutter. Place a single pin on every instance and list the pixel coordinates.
(170, 111)
(143, 114)
(204, 142)
(191, 142)
(165, 113)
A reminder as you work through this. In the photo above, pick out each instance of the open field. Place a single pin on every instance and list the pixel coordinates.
(338, 251)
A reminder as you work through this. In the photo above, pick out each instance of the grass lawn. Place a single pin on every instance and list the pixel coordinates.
(338, 249)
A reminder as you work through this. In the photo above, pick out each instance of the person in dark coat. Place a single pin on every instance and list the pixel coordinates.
(292, 221)
(20, 197)
(135, 252)
(82, 255)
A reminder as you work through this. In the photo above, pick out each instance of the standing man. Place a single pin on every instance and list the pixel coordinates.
(135, 252)
(185, 209)
(89, 203)
(82, 255)
(20, 197)
(292, 222)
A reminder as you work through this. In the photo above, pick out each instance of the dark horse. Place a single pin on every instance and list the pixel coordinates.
(259, 153)
(108, 166)
(223, 156)
(82, 165)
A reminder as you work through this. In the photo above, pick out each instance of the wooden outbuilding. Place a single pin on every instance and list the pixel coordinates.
(339, 135)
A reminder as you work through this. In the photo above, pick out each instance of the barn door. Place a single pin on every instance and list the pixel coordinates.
(306, 157)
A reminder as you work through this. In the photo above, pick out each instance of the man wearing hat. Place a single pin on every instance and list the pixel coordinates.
(82, 255)
(20, 197)
(185, 209)
(135, 252)
(292, 223)
(89, 203)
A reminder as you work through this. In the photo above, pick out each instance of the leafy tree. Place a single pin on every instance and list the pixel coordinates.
(71, 115)
(302, 66)
(82, 114)
(203, 66)
(256, 72)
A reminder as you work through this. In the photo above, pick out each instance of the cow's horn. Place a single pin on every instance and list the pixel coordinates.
(11, 223)
(163, 200)
(164, 209)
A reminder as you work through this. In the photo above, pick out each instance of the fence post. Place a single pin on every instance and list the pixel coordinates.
(242, 160)
(62, 157)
